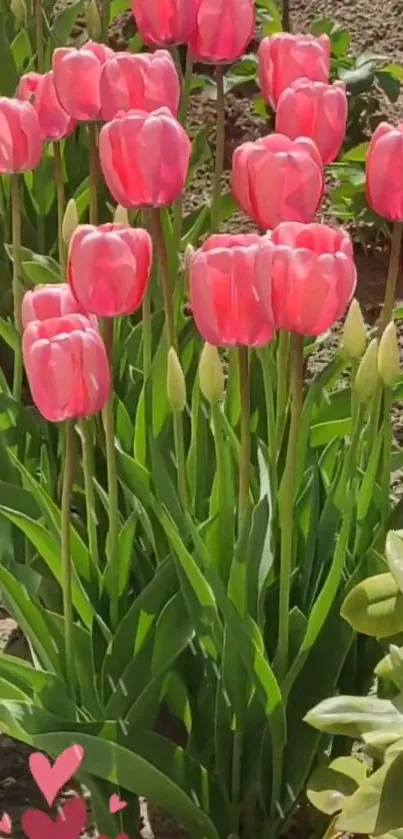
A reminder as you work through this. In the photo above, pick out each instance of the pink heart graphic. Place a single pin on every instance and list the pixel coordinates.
(116, 803)
(50, 779)
(68, 825)
(5, 824)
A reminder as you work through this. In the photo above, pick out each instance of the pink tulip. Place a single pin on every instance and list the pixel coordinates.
(49, 301)
(284, 58)
(224, 30)
(67, 367)
(109, 268)
(143, 82)
(312, 276)
(316, 110)
(384, 168)
(20, 136)
(76, 76)
(277, 179)
(223, 295)
(55, 123)
(165, 22)
(145, 158)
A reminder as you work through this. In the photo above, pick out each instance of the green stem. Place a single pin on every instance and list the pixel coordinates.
(186, 88)
(59, 183)
(286, 503)
(271, 422)
(159, 241)
(17, 289)
(286, 17)
(245, 450)
(94, 171)
(40, 55)
(220, 149)
(113, 534)
(180, 459)
(393, 273)
(387, 451)
(68, 476)
(88, 470)
(283, 352)
(105, 21)
(236, 773)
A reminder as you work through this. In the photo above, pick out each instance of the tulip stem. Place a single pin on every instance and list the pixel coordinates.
(17, 290)
(68, 476)
(94, 171)
(113, 535)
(283, 352)
(286, 19)
(393, 273)
(220, 149)
(387, 450)
(105, 21)
(159, 241)
(88, 470)
(40, 55)
(245, 450)
(58, 171)
(186, 88)
(286, 503)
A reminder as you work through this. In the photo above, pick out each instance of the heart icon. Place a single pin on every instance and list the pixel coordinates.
(5, 824)
(68, 825)
(116, 803)
(50, 779)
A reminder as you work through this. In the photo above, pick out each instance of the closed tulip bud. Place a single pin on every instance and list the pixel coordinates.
(19, 10)
(316, 110)
(55, 123)
(283, 58)
(77, 76)
(72, 353)
(388, 356)
(53, 300)
(224, 30)
(211, 374)
(176, 385)
(121, 216)
(354, 340)
(367, 376)
(144, 158)
(109, 268)
(93, 20)
(165, 22)
(141, 82)
(20, 136)
(384, 159)
(70, 221)
(292, 168)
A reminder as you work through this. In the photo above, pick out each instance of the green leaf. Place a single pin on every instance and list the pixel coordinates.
(394, 557)
(30, 618)
(8, 333)
(389, 84)
(375, 607)
(358, 153)
(329, 786)
(377, 805)
(64, 22)
(354, 716)
(358, 80)
(129, 771)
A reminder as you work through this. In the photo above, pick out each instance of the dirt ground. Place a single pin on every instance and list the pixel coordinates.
(375, 25)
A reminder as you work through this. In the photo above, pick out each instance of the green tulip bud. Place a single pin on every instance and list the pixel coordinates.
(176, 385)
(354, 340)
(70, 221)
(211, 374)
(121, 216)
(388, 356)
(93, 20)
(367, 376)
(19, 11)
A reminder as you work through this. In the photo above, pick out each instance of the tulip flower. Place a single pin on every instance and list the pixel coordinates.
(76, 76)
(310, 271)
(55, 123)
(165, 22)
(224, 30)
(145, 158)
(49, 301)
(367, 377)
(67, 367)
(211, 374)
(20, 136)
(109, 268)
(225, 305)
(316, 110)
(284, 58)
(276, 179)
(388, 356)
(143, 82)
(384, 160)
